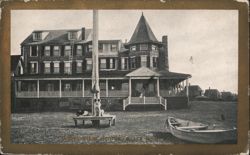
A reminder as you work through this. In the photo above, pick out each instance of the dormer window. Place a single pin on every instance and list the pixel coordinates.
(72, 35)
(143, 47)
(37, 36)
(133, 48)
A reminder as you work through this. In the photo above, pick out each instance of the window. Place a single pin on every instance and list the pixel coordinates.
(37, 36)
(67, 51)
(78, 67)
(46, 67)
(155, 61)
(56, 67)
(34, 51)
(112, 63)
(89, 64)
(106, 47)
(133, 48)
(79, 50)
(100, 48)
(67, 67)
(144, 60)
(72, 35)
(124, 63)
(67, 87)
(78, 87)
(47, 51)
(113, 47)
(90, 48)
(132, 61)
(103, 64)
(154, 48)
(102, 85)
(33, 67)
(56, 51)
(143, 47)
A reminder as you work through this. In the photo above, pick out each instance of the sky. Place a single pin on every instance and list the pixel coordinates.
(203, 43)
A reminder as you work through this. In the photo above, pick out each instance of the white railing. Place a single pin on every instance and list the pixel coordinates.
(26, 94)
(49, 93)
(71, 93)
(117, 93)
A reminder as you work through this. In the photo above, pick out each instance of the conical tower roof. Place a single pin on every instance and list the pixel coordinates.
(143, 33)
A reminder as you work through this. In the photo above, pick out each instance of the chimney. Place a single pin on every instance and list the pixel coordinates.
(165, 52)
(83, 33)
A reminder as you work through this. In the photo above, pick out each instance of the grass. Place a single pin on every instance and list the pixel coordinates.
(144, 127)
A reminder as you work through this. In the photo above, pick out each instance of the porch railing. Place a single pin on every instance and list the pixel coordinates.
(117, 93)
(26, 94)
(71, 93)
(49, 94)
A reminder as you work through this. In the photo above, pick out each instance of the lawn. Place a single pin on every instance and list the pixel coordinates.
(136, 127)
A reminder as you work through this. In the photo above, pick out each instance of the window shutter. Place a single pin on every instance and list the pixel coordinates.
(51, 67)
(129, 63)
(74, 50)
(108, 63)
(29, 67)
(61, 67)
(51, 50)
(73, 67)
(119, 63)
(42, 51)
(62, 50)
(114, 63)
(148, 61)
(138, 62)
(83, 65)
(42, 67)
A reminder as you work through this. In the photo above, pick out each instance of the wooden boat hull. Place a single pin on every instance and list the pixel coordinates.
(202, 135)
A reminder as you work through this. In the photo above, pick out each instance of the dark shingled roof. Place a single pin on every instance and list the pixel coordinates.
(55, 37)
(143, 33)
(173, 75)
(14, 62)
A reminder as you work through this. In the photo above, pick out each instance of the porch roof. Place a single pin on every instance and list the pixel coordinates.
(146, 72)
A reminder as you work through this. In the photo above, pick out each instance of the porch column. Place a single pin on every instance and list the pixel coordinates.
(129, 90)
(107, 88)
(83, 88)
(187, 91)
(60, 88)
(38, 89)
(158, 86)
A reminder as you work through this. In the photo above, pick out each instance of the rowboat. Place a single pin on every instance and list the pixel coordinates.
(199, 133)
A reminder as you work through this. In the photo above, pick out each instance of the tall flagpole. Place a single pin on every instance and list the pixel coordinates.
(95, 69)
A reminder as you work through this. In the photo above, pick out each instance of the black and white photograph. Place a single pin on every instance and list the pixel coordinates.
(124, 76)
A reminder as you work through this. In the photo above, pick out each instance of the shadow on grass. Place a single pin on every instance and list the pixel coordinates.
(87, 126)
(167, 137)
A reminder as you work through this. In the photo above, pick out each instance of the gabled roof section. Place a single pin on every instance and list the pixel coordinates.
(143, 72)
(56, 37)
(143, 32)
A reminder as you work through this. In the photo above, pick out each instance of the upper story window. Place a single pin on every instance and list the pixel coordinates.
(72, 35)
(112, 63)
(47, 51)
(124, 63)
(89, 64)
(56, 67)
(144, 60)
(133, 48)
(37, 36)
(67, 87)
(100, 48)
(47, 67)
(67, 51)
(33, 67)
(79, 50)
(56, 51)
(50, 87)
(113, 47)
(103, 64)
(154, 48)
(34, 51)
(133, 63)
(79, 67)
(143, 47)
(89, 48)
(106, 47)
(155, 62)
(67, 67)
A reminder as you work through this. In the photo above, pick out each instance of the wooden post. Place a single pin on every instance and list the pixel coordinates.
(83, 87)
(38, 89)
(187, 91)
(107, 88)
(60, 88)
(129, 90)
(158, 87)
